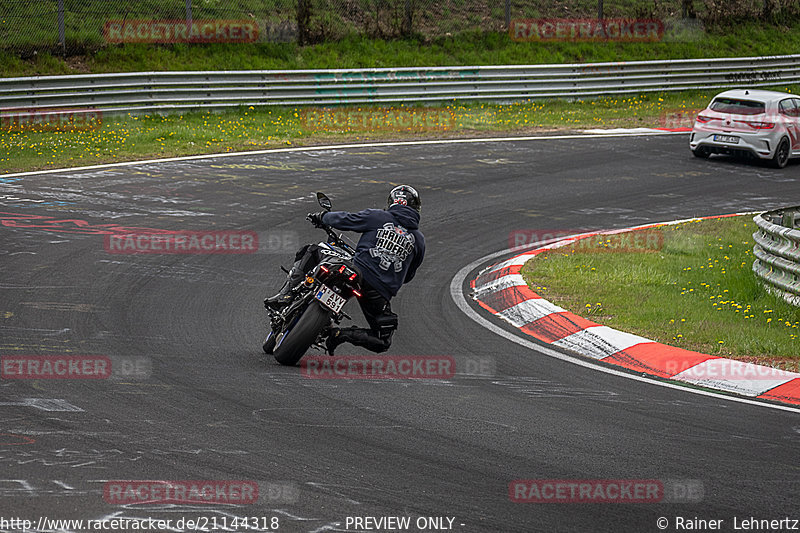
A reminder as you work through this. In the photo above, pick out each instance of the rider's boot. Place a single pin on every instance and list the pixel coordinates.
(336, 337)
(284, 296)
(357, 337)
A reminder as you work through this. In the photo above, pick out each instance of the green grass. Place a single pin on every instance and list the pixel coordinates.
(693, 289)
(126, 138)
(470, 48)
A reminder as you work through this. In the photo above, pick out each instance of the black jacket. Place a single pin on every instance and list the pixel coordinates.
(391, 247)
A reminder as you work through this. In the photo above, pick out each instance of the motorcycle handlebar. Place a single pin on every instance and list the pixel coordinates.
(334, 238)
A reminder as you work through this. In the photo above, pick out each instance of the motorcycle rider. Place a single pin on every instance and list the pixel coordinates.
(390, 250)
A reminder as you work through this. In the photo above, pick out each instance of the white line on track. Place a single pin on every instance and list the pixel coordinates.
(460, 299)
(339, 147)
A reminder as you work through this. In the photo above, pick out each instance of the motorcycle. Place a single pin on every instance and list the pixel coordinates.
(317, 301)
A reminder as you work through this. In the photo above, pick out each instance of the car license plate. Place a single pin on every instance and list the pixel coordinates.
(330, 299)
(730, 139)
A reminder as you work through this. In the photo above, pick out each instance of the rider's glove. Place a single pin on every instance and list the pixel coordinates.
(316, 218)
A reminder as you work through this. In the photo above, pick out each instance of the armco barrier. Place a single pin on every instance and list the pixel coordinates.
(164, 92)
(777, 252)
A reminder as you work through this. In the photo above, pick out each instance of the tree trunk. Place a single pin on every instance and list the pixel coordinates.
(303, 20)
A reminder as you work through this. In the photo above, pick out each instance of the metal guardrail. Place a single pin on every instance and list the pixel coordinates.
(175, 91)
(777, 252)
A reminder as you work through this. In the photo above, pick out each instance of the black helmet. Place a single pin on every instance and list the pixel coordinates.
(405, 195)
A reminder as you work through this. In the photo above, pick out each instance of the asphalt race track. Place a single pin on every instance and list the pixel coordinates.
(207, 404)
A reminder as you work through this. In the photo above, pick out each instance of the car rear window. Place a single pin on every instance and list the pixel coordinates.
(737, 107)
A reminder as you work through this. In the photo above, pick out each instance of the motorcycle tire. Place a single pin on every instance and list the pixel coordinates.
(295, 342)
(269, 343)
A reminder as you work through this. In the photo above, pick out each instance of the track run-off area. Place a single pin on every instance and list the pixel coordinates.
(192, 397)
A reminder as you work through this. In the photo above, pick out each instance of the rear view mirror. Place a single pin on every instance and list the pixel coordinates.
(324, 201)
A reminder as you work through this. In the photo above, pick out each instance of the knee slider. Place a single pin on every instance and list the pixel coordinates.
(387, 324)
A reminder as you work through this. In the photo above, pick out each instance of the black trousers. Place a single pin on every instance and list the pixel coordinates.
(382, 322)
(376, 309)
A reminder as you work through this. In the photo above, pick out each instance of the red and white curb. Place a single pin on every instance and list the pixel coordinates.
(501, 290)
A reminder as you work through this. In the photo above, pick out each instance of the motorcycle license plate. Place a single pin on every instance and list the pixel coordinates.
(730, 139)
(330, 299)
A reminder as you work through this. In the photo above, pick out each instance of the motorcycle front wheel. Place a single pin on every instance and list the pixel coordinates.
(295, 342)
(269, 342)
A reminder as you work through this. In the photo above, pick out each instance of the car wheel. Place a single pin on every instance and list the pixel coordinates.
(701, 152)
(781, 156)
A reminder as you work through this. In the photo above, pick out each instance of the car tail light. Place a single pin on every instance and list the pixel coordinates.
(352, 276)
(760, 125)
(324, 268)
(358, 294)
(702, 120)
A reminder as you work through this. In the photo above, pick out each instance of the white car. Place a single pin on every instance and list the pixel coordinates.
(764, 124)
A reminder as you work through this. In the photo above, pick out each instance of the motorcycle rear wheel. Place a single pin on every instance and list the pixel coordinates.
(296, 342)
